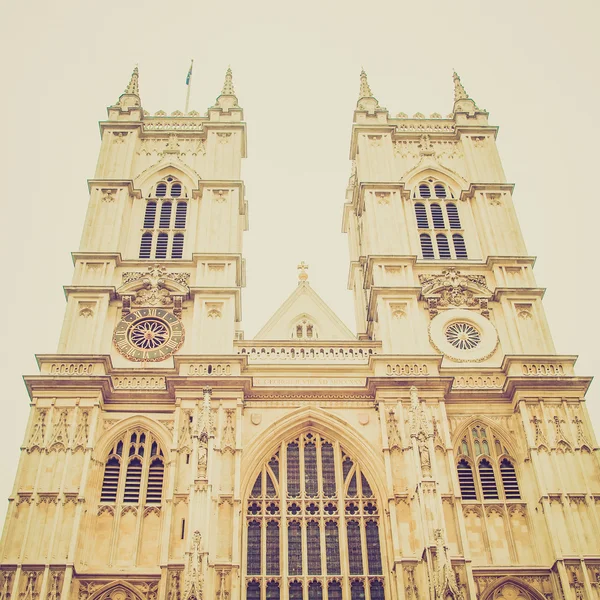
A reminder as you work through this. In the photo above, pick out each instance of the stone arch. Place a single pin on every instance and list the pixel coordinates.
(178, 169)
(264, 445)
(106, 442)
(497, 430)
(116, 590)
(511, 588)
(453, 179)
(260, 450)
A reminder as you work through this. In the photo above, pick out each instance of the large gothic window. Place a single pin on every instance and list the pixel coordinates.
(313, 527)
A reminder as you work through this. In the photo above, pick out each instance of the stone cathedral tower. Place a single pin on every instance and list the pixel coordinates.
(443, 453)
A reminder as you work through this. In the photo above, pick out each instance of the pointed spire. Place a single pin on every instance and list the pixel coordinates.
(365, 89)
(366, 100)
(227, 98)
(133, 87)
(228, 85)
(131, 96)
(459, 90)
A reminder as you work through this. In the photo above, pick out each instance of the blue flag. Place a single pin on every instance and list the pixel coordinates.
(189, 75)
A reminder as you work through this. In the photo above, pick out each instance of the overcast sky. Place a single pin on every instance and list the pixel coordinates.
(532, 65)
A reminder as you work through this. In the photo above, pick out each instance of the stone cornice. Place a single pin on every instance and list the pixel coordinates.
(115, 182)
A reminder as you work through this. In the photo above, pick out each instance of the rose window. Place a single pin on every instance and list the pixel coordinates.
(149, 334)
(463, 336)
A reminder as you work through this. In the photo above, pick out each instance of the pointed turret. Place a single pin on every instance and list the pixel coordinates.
(459, 90)
(131, 95)
(228, 85)
(463, 103)
(366, 100)
(227, 98)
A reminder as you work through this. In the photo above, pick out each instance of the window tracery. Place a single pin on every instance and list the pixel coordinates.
(134, 470)
(164, 221)
(485, 468)
(312, 526)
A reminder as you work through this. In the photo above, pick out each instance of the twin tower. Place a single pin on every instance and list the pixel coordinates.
(444, 452)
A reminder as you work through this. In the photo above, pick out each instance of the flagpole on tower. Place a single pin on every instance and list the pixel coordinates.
(188, 82)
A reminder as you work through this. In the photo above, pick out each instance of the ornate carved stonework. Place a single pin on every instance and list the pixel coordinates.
(38, 432)
(156, 287)
(194, 571)
(446, 587)
(394, 442)
(59, 439)
(451, 289)
(228, 441)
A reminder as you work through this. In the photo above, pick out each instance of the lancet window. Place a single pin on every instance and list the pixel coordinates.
(164, 223)
(435, 212)
(313, 527)
(485, 468)
(134, 470)
(304, 329)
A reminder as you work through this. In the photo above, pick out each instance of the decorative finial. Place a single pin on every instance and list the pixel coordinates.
(365, 90)
(303, 275)
(133, 87)
(459, 90)
(228, 85)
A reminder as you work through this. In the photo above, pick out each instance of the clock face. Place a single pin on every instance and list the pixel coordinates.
(149, 334)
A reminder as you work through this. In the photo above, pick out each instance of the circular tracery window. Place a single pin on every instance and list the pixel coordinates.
(463, 336)
(149, 334)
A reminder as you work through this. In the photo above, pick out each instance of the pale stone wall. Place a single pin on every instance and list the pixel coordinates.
(399, 399)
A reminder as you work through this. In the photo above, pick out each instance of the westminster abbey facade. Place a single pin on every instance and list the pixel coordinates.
(444, 452)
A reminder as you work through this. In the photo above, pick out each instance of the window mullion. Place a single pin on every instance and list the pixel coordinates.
(342, 534)
(283, 546)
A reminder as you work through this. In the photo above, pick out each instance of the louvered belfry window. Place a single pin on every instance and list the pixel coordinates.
(433, 213)
(485, 469)
(313, 527)
(134, 470)
(164, 221)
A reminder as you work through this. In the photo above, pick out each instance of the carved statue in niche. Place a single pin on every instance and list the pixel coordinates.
(424, 454)
(202, 431)
(229, 431)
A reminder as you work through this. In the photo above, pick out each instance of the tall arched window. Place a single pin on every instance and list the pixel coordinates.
(134, 470)
(312, 521)
(429, 213)
(171, 220)
(437, 216)
(421, 214)
(460, 249)
(426, 246)
(442, 246)
(485, 469)
(453, 217)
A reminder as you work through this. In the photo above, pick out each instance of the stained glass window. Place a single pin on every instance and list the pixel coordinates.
(307, 498)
